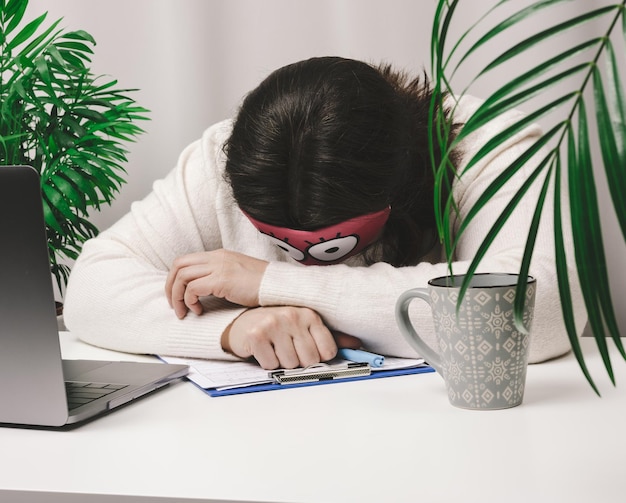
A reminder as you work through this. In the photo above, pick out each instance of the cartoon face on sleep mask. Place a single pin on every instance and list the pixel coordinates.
(328, 245)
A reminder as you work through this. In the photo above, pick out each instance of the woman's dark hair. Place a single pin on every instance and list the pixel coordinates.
(328, 139)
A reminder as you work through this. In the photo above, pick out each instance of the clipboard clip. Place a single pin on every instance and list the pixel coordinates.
(320, 372)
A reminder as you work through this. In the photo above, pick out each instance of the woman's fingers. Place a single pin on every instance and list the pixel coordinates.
(221, 273)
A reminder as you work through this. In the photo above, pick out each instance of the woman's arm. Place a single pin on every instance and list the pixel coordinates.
(116, 294)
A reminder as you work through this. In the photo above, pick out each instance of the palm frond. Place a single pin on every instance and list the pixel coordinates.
(573, 73)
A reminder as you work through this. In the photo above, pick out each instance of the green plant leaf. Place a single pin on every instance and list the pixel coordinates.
(69, 191)
(533, 40)
(522, 284)
(443, 17)
(13, 13)
(84, 182)
(73, 60)
(50, 219)
(89, 113)
(612, 133)
(489, 110)
(58, 201)
(498, 224)
(563, 270)
(499, 139)
(55, 55)
(26, 32)
(34, 48)
(42, 69)
(538, 70)
(589, 250)
(496, 105)
(612, 158)
(506, 24)
(74, 47)
(80, 35)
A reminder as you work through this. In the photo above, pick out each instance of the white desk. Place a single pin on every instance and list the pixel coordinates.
(386, 440)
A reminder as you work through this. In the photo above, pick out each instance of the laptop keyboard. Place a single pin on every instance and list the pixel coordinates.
(81, 393)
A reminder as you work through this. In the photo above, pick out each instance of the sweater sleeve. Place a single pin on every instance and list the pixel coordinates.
(361, 300)
(115, 297)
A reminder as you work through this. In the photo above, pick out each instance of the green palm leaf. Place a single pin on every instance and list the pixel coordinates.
(612, 119)
(586, 229)
(511, 21)
(568, 139)
(562, 274)
(14, 12)
(536, 39)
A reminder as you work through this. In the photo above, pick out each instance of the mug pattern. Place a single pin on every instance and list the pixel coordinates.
(484, 356)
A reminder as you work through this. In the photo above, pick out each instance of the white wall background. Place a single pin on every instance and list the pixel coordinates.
(193, 60)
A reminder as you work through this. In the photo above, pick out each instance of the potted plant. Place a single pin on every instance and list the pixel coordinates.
(589, 87)
(59, 118)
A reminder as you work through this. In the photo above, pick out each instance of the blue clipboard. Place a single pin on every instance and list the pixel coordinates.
(255, 388)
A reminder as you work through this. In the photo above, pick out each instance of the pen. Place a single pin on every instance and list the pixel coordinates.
(360, 356)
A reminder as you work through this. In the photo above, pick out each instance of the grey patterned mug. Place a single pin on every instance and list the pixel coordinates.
(481, 355)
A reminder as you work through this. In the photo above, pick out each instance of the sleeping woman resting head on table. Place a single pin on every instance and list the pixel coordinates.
(291, 230)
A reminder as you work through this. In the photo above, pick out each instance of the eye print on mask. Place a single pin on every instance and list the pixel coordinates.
(333, 249)
(328, 245)
(294, 253)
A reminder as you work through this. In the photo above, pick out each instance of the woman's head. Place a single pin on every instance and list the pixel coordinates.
(327, 140)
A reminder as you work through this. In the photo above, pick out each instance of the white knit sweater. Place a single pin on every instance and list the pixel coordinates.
(115, 297)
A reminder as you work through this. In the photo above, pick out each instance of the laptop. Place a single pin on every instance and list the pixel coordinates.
(37, 387)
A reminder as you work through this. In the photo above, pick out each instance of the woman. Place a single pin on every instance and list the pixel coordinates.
(300, 222)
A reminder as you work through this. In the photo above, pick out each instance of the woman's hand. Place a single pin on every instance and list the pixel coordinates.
(221, 273)
(284, 337)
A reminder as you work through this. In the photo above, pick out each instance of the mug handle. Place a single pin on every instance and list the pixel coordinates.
(407, 330)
